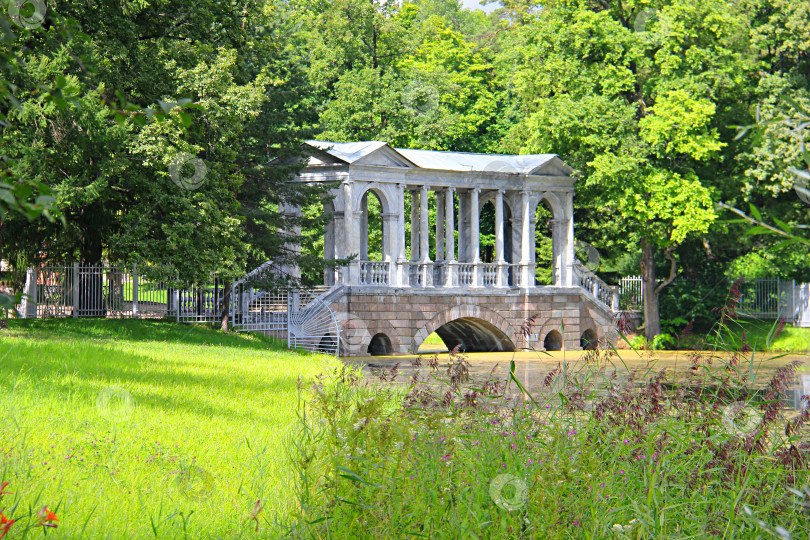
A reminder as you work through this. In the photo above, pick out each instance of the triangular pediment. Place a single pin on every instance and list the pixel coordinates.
(553, 167)
(385, 156)
(319, 158)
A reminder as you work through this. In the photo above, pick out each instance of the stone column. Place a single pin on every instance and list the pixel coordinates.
(351, 236)
(463, 229)
(293, 244)
(501, 279)
(402, 260)
(390, 222)
(569, 240)
(28, 304)
(364, 227)
(424, 224)
(425, 266)
(329, 251)
(451, 267)
(440, 226)
(475, 237)
(526, 242)
(557, 249)
(414, 225)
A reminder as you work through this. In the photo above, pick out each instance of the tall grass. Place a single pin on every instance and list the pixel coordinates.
(600, 452)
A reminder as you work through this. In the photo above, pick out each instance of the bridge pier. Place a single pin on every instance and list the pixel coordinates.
(477, 321)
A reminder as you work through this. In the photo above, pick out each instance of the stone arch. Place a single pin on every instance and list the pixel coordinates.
(384, 327)
(489, 196)
(554, 202)
(489, 326)
(356, 334)
(382, 191)
(380, 345)
(553, 341)
(589, 339)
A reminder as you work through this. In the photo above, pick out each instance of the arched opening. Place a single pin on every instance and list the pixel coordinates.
(589, 340)
(544, 244)
(474, 335)
(553, 341)
(380, 345)
(372, 235)
(328, 344)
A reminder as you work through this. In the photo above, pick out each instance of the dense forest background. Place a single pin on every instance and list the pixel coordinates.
(650, 101)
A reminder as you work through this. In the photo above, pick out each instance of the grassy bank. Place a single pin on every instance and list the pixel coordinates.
(136, 429)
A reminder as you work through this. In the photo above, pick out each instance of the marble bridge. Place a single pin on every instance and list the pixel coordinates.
(435, 278)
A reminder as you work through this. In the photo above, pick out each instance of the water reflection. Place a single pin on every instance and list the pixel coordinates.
(532, 368)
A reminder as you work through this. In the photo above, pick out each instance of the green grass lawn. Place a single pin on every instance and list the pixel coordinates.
(136, 429)
(789, 339)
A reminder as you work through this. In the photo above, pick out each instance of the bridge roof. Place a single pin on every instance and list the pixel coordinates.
(381, 154)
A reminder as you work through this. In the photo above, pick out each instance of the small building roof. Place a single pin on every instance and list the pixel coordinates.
(361, 152)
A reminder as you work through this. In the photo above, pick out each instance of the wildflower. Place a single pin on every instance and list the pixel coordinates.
(5, 525)
(47, 518)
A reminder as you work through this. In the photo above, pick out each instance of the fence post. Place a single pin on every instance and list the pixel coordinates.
(135, 291)
(28, 304)
(177, 303)
(75, 290)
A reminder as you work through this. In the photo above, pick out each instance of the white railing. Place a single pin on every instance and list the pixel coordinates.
(416, 274)
(490, 273)
(631, 292)
(374, 273)
(466, 274)
(604, 293)
(438, 273)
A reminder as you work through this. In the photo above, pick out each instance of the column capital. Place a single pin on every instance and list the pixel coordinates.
(451, 189)
(424, 188)
(501, 191)
(476, 190)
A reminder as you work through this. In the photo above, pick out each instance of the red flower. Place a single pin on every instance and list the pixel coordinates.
(3, 489)
(47, 518)
(5, 523)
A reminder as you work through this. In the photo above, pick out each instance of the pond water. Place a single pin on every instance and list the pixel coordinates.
(531, 368)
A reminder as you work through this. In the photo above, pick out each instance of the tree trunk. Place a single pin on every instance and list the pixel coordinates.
(652, 323)
(226, 307)
(651, 288)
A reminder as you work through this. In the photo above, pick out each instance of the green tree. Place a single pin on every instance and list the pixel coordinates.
(635, 109)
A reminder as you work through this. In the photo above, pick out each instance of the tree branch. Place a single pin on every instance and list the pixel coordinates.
(673, 266)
